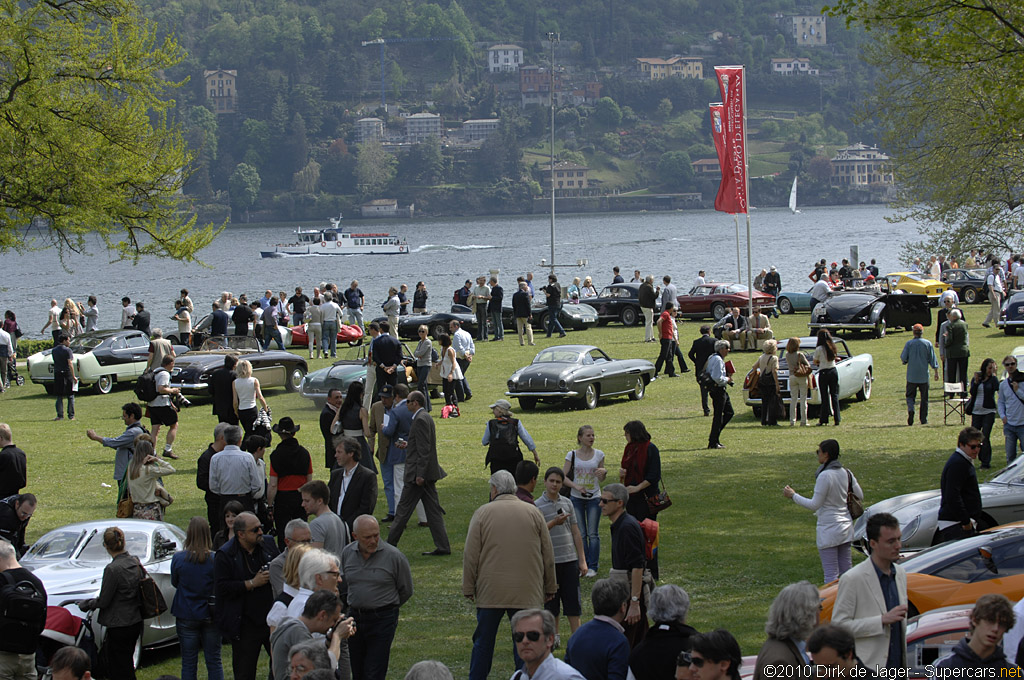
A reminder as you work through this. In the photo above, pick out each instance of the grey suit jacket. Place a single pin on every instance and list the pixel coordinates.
(421, 452)
(859, 607)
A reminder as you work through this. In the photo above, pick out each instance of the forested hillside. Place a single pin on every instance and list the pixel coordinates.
(304, 77)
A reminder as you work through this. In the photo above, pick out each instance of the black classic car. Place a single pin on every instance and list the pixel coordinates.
(870, 312)
(436, 322)
(342, 373)
(573, 316)
(1011, 316)
(273, 368)
(578, 372)
(968, 283)
(618, 302)
(101, 359)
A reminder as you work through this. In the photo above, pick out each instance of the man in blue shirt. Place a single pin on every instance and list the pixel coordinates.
(1011, 408)
(354, 304)
(599, 648)
(720, 380)
(131, 414)
(918, 354)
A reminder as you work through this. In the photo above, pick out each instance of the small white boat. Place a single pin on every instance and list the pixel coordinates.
(334, 240)
(792, 198)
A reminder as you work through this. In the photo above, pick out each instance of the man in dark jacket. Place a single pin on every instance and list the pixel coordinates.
(647, 296)
(244, 595)
(218, 320)
(220, 389)
(15, 512)
(553, 293)
(13, 464)
(334, 400)
(772, 285)
(353, 487)
(141, 320)
(599, 649)
(522, 310)
(960, 507)
(241, 316)
(702, 348)
(494, 308)
(991, 617)
(19, 636)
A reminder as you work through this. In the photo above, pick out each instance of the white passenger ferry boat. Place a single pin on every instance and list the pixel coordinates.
(334, 240)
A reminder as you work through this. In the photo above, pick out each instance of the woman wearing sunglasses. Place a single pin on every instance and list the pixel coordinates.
(1011, 408)
(981, 406)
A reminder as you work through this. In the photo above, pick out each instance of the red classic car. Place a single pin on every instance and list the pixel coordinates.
(715, 299)
(353, 335)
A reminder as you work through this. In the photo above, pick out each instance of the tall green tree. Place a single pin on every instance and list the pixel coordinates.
(244, 187)
(375, 168)
(951, 111)
(84, 127)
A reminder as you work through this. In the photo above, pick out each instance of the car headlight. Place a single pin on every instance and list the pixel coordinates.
(910, 528)
(511, 385)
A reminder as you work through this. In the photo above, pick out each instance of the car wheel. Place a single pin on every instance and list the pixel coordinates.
(865, 391)
(638, 389)
(590, 396)
(543, 321)
(970, 295)
(527, 403)
(629, 316)
(438, 330)
(173, 339)
(785, 306)
(356, 343)
(295, 379)
(879, 331)
(104, 384)
(1010, 330)
(718, 310)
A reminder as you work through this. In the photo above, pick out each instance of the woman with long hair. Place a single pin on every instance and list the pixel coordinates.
(982, 406)
(144, 472)
(828, 377)
(353, 420)
(768, 382)
(192, 576)
(70, 318)
(832, 485)
(640, 472)
(118, 603)
(451, 372)
(798, 384)
(245, 392)
(232, 509)
(585, 465)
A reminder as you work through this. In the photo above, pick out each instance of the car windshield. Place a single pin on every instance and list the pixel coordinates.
(914, 276)
(1012, 474)
(56, 545)
(732, 288)
(86, 343)
(220, 342)
(960, 561)
(135, 542)
(557, 355)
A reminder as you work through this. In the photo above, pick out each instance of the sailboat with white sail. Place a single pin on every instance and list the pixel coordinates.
(792, 198)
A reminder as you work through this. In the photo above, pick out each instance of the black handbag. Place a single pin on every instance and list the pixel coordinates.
(571, 476)
(151, 600)
(659, 501)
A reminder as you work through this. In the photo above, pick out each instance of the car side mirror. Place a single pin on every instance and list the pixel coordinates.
(986, 556)
(165, 548)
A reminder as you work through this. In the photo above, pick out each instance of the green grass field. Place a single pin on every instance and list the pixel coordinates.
(730, 539)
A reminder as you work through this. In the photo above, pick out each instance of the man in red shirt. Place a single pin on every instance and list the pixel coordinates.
(667, 333)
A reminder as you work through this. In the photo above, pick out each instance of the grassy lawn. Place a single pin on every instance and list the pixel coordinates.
(731, 539)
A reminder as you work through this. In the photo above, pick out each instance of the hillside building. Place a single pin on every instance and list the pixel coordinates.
(808, 31)
(570, 179)
(221, 90)
(369, 130)
(860, 165)
(655, 68)
(535, 85)
(479, 129)
(502, 58)
(419, 126)
(789, 67)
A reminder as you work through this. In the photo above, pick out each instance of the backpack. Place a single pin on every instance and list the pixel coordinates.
(22, 614)
(145, 386)
(455, 297)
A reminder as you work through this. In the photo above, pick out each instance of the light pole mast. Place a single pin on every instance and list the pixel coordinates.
(552, 39)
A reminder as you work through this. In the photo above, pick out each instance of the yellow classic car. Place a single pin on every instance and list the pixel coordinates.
(914, 282)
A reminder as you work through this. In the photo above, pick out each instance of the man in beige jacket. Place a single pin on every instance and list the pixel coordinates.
(508, 565)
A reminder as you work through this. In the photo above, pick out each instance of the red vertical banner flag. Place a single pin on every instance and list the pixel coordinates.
(732, 192)
(717, 112)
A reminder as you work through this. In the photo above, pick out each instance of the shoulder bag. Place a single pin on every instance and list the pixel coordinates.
(151, 600)
(125, 506)
(571, 476)
(803, 367)
(853, 504)
(659, 501)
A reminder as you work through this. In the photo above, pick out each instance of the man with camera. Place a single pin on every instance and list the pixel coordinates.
(161, 410)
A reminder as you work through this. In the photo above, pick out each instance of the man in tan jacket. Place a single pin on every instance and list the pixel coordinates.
(508, 565)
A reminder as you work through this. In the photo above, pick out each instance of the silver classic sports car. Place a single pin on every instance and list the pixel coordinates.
(578, 372)
(70, 561)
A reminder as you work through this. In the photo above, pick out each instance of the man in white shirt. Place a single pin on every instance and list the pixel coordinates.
(233, 472)
(161, 411)
(184, 319)
(127, 312)
(533, 631)
(53, 321)
(6, 355)
(92, 315)
(465, 348)
(699, 281)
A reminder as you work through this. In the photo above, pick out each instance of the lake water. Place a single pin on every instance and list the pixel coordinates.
(445, 252)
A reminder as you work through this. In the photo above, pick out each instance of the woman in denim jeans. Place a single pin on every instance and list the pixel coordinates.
(587, 468)
(192, 575)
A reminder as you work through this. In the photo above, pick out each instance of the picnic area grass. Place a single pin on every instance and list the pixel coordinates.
(730, 539)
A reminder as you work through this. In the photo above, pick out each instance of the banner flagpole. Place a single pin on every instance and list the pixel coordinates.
(739, 260)
(746, 193)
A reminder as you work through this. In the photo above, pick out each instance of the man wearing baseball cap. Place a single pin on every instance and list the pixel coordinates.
(918, 354)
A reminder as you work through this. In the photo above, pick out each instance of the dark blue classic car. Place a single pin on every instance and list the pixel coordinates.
(436, 322)
(618, 302)
(578, 372)
(870, 312)
(1011, 317)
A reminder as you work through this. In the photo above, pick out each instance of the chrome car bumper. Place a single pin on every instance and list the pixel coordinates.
(534, 393)
(191, 387)
(812, 325)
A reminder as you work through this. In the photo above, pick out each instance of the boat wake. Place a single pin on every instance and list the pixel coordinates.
(431, 247)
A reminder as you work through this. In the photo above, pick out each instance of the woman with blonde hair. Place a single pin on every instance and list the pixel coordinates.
(144, 472)
(192, 577)
(279, 610)
(574, 290)
(245, 392)
(799, 377)
(588, 290)
(70, 318)
(768, 383)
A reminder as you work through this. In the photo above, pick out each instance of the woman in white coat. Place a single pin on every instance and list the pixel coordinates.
(832, 485)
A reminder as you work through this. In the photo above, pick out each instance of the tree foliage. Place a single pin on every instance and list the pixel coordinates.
(375, 168)
(88, 147)
(951, 110)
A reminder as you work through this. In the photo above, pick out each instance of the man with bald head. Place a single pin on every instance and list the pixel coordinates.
(244, 595)
(379, 582)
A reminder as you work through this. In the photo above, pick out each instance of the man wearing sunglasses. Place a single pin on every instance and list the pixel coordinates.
(960, 508)
(533, 631)
(1011, 408)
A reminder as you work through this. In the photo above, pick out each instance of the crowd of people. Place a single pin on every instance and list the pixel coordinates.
(324, 593)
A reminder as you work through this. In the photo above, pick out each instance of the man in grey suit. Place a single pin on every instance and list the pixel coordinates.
(422, 472)
(871, 601)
